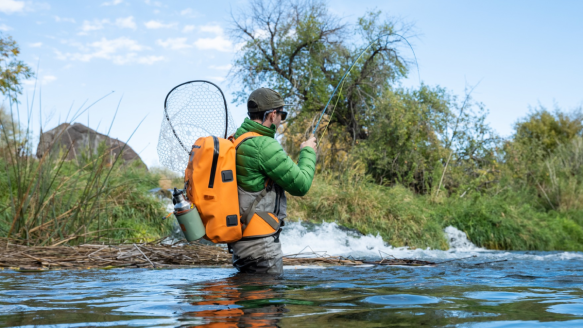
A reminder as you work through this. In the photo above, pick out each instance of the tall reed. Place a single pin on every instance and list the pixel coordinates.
(52, 201)
(563, 184)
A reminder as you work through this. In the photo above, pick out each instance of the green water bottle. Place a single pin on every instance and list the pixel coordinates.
(187, 216)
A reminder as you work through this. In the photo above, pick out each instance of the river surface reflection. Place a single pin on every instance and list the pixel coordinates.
(527, 290)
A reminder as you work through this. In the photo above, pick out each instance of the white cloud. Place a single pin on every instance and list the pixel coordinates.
(216, 78)
(112, 3)
(222, 67)
(217, 43)
(36, 6)
(189, 12)
(11, 6)
(149, 60)
(216, 29)
(64, 19)
(96, 24)
(153, 3)
(239, 46)
(36, 45)
(120, 51)
(92, 26)
(4, 27)
(157, 24)
(174, 43)
(127, 22)
(188, 28)
(45, 79)
(48, 79)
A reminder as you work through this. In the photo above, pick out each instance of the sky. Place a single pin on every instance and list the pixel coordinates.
(518, 54)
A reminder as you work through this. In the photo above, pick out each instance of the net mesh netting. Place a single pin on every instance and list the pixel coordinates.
(193, 110)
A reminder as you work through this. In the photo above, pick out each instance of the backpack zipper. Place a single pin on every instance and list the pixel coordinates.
(215, 162)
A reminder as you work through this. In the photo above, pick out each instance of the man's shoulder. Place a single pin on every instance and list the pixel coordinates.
(261, 141)
(261, 147)
(260, 144)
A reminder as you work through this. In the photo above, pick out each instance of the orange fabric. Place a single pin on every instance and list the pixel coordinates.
(245, 136)
(258, 227)
(215, 203)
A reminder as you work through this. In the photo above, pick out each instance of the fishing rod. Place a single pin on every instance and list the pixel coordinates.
(342, 80)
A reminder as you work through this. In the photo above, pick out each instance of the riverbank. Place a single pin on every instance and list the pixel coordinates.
(508, 220)
(148, 255)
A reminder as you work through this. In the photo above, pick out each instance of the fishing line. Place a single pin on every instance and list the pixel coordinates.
(341, 83)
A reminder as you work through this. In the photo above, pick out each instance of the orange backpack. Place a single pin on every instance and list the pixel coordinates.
(211, 184)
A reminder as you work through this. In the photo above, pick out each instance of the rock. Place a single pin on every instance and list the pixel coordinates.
(82, 139)
(161, 193)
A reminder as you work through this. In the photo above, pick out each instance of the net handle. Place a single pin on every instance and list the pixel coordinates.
(194, 81)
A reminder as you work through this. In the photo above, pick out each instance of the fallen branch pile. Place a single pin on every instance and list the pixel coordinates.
(111, 256)
(88, 256)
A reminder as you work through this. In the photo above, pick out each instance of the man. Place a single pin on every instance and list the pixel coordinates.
(263, 164)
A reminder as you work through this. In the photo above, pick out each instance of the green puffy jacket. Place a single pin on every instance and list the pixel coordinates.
(262, 157)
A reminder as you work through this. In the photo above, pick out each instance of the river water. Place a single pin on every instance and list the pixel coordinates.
(472, 288)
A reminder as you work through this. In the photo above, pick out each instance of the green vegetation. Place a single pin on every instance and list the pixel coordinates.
(509, 220)
(406, 163)
(96, 197)
(12, 70)
(49, 200)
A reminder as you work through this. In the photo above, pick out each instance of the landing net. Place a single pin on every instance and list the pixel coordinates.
(191, 110)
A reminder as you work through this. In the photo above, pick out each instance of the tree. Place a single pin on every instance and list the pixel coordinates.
(542, 154)
(419, 138)
(546, 131)
(300, 49)
(12, 70)
(425, 139)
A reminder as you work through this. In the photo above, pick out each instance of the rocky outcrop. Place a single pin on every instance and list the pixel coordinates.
(82, 139)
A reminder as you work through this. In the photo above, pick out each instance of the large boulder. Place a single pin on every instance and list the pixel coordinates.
(83, 139)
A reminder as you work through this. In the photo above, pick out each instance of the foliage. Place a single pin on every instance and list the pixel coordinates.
(12, 70)
(51, 200)
(416, 135)
(509, 220)
(408, 162)
(401, 218)
(8, 131)
(410, 137)
(168, 178)
(301, 50)
(545, 131)
(544, 155)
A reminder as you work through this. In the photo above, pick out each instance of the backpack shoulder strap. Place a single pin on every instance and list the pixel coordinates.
(246, 217)
(245, 136)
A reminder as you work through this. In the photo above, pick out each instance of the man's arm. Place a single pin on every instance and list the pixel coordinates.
(279, 167)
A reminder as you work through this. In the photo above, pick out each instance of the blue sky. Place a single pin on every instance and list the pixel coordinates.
(521, 53)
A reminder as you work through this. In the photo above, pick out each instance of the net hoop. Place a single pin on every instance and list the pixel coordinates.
(192, 110)
(194, 81)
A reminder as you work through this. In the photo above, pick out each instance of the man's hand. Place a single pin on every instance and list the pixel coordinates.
(309, 143)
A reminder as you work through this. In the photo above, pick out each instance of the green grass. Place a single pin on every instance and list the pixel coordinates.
(96, 197)
(113, 209)
(508, 220)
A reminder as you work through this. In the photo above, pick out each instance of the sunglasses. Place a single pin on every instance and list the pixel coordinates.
(281, 112)
(283, 115)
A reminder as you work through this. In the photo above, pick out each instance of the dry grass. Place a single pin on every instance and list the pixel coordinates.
(150, 255)
(50, 200)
